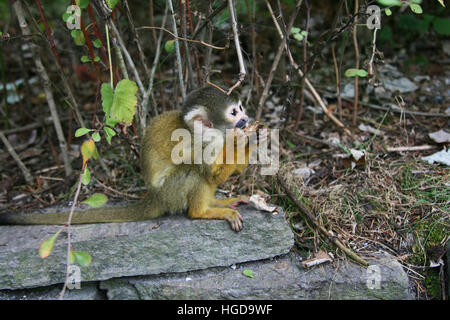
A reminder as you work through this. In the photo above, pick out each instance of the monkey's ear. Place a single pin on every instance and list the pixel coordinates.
(197, 113)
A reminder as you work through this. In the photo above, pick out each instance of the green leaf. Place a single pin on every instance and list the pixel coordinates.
(85, 59)
(388, 12)
(86, 178)
(112, 122)
(82, 258)
(112, 3)
(361, 73)
(109, 133)
(295, 30)
(87, 149)
(75, 33)
(66, 16)
(96, 200)
(124, 102)
(390, 3)
(81, 132)
(96, 58)
(298, 36)
(442, 26)
(97, 43)
(78, 37)
(169, 46)
(83, 4)
(96, 136)
(248, 273)
(46, 246)
(417, 9)
(107, 98)
(351, 72)
(290, 144)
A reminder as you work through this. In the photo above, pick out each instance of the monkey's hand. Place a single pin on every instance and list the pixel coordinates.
(239, 200)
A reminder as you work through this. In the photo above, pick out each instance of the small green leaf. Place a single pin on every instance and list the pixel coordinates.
(298, 36)
(351, 72)
(248, 273)
(442, 26)
(85, 59)
(78, 37)
(96, 200)
(86, 178)
(82, 258)
(361, 73)
(109, 133)
(96, 58)
(417, 9)
(112, 3)
(96, 136)
(390, 3)
(66, 16)
(388, 12)
(81, 132)
(84, 3)
(290, 144)
(97, 43)
(87, 149)
(295, 30)
(169, 46)
(46, 246)
(75, 33)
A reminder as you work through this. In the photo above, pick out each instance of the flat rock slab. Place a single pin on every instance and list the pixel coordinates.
(278, 278)
(171, 244)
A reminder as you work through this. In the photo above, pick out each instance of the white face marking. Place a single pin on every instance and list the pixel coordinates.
(235, 114)
(197, 111)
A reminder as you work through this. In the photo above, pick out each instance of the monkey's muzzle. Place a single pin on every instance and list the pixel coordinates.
(241, 124)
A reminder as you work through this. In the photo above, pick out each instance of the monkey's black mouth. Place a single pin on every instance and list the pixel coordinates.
(241, 124)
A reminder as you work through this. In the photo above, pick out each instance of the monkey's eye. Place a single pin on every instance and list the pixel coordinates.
(233, 112)
(240, 107)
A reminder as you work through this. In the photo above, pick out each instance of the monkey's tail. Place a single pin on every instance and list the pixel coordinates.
(132, 212)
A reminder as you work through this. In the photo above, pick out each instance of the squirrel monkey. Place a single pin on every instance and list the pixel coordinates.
(174, 187)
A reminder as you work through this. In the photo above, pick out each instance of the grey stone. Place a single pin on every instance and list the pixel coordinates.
(448, 267)
(278, 278)
(171, 244)
(88, 291)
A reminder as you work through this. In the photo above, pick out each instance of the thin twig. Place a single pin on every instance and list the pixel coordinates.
(242, 71)
(184, 39)
(127, 56)
(69, 220)
(152, 74)
(411, 148)
(177, 51)
(311, 217)
(26, 173)
(355, 44)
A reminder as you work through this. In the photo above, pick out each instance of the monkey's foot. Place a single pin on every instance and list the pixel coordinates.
(235, 221)
(231, 215)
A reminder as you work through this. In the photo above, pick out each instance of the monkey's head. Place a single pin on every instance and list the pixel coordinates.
(214, 109)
